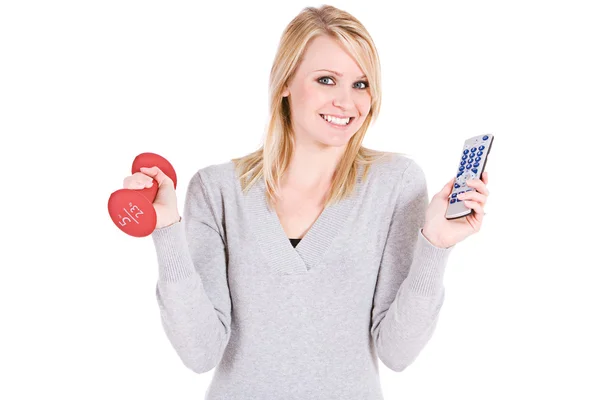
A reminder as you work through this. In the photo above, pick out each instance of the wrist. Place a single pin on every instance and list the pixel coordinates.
(169, 223)
(432, 239)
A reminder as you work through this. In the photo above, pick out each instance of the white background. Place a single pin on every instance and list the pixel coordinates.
(86, 86)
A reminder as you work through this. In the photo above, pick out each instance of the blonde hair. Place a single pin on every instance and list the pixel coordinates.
(271, 160)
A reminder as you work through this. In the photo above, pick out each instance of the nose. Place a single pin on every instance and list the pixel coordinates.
(343, 98)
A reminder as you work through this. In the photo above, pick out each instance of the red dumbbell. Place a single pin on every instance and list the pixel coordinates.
(132, 210)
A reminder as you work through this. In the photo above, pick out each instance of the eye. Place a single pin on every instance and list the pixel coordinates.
(364, 83)
(324, 77)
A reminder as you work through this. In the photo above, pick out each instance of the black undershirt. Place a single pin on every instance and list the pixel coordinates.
(295, 242)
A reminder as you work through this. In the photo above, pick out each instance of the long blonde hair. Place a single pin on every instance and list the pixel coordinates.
(271, 160)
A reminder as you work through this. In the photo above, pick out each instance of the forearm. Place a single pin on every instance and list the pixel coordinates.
(410, 321)
(196, 330)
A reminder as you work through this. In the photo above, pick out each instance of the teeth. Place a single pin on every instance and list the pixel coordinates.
(337, 121)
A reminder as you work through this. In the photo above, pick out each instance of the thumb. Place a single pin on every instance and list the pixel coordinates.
(447, 189)
(156, 174)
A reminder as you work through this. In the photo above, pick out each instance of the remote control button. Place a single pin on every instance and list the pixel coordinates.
(478, 159)
(466, 152)
(462, 162)
(480, 153)
(454, 194)
(452, 201)
(474, 170)
(461, 168)
(456, 185)
(486, 137)
(468, 166)
(464, 157)
(481, 147)
(473, 149)
(476, 164)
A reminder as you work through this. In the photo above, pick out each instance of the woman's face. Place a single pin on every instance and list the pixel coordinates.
(328, 83)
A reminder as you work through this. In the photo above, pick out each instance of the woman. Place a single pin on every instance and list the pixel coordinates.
(296, 267)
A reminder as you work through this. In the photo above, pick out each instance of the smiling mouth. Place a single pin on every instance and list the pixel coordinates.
(337, 121)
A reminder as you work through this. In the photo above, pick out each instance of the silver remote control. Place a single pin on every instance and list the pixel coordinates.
(472, 163)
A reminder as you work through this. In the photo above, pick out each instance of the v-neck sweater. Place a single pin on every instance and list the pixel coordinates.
(304, 322)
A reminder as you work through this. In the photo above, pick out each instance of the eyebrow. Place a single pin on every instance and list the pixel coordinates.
(337, 73)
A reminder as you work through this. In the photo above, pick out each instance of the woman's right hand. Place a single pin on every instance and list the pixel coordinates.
(165, 203)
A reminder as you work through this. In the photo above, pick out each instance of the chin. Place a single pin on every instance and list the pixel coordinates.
(339, 140)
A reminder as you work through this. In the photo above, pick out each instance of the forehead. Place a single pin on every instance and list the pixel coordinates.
(324, 52)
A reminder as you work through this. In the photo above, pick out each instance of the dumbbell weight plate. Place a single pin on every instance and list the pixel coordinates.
(154, 160)
(132, 210)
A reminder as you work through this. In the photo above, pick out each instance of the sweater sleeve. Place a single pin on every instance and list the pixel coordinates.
(409, 291)
(192, 290)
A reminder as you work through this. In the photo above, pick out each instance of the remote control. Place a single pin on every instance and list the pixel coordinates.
(472, 163)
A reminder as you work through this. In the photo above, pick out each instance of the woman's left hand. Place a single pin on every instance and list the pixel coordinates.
(445, 233)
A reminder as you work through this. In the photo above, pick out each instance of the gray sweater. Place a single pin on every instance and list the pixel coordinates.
(309, 322)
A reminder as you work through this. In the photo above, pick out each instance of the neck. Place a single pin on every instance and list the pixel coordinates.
(311, 169)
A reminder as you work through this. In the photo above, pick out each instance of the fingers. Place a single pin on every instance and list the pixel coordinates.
(157, 174)
(481, 191)
(478, 185)
(475, 206)
(137, 181)
(476, 199)
(473, 196)
(445, 192)
(484, 177)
